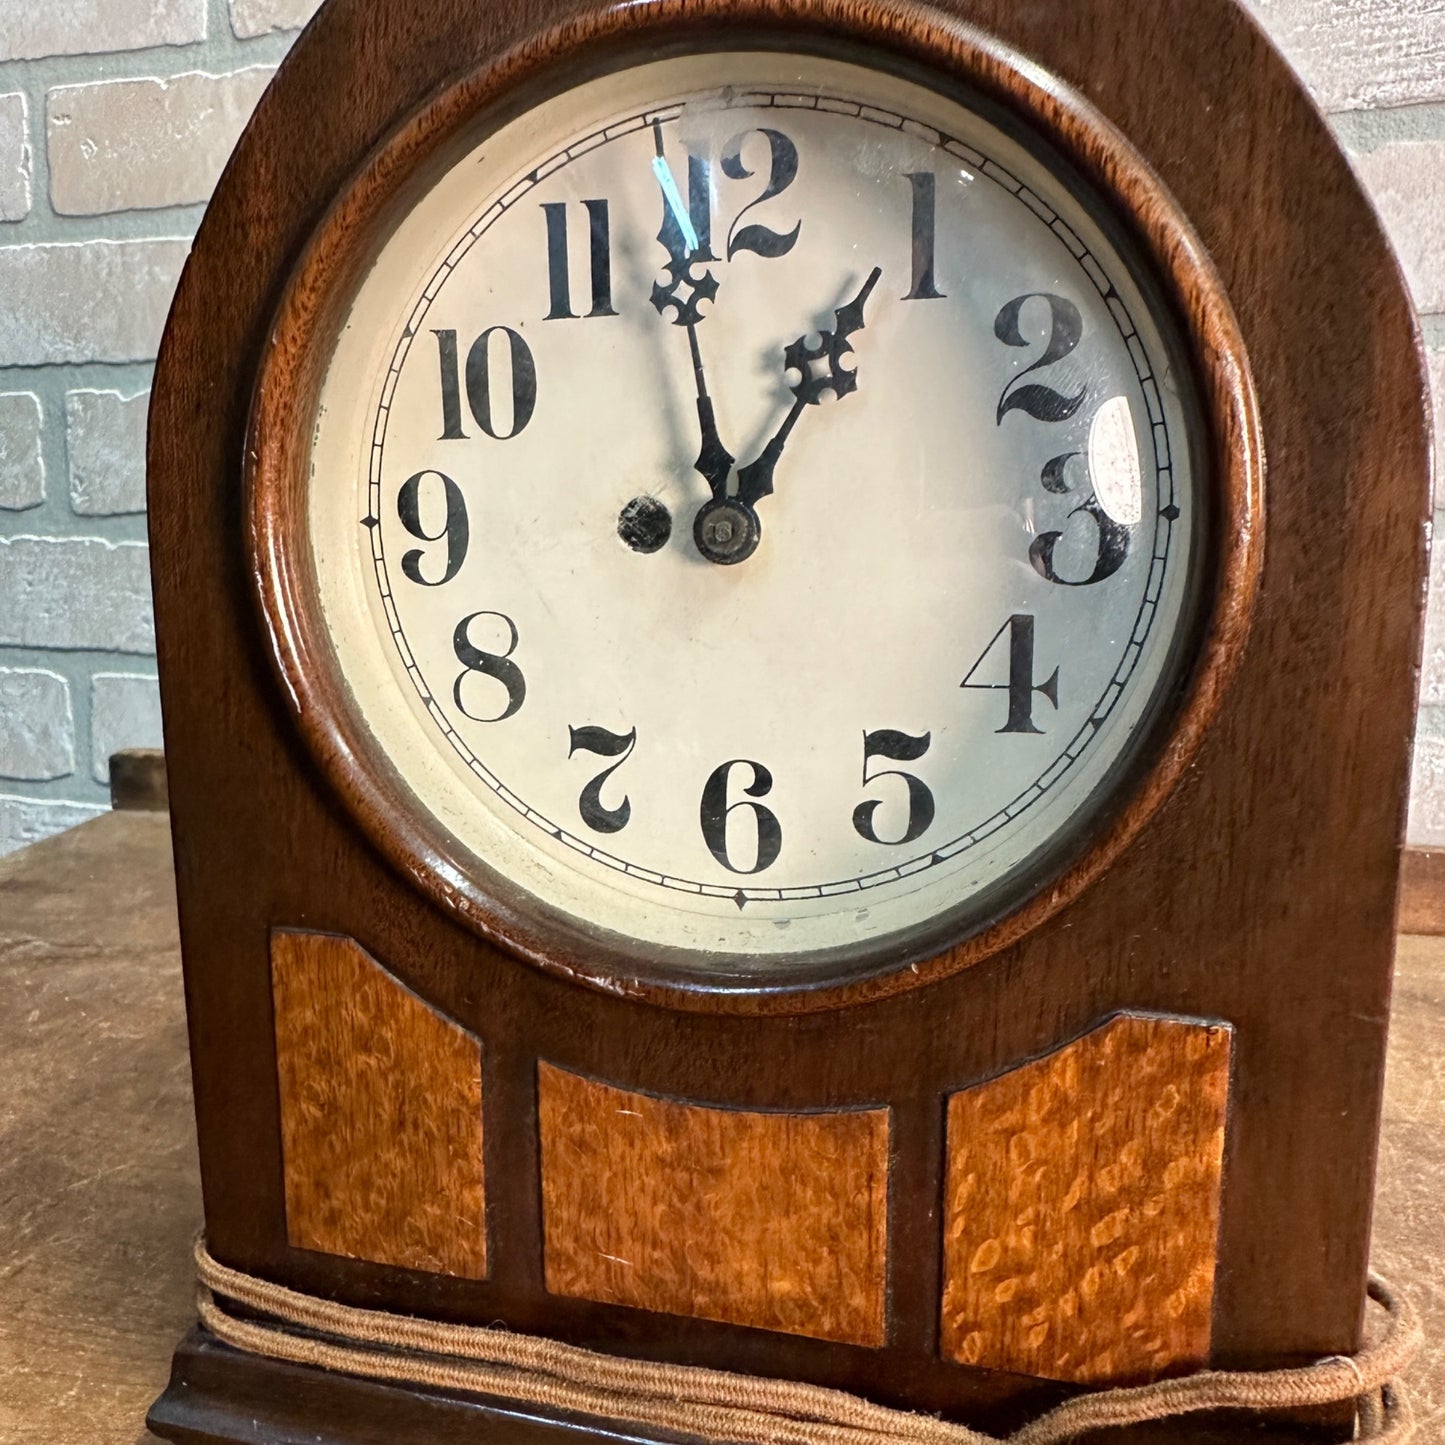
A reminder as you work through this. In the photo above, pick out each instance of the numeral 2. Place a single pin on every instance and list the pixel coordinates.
(479, 383)
(1066, 330)
(1020, 686)
(599, 251)
(606, 745)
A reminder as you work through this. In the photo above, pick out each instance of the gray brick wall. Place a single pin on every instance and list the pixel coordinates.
(116, 116)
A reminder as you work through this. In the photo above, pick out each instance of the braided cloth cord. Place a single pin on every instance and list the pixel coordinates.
(745, 1410)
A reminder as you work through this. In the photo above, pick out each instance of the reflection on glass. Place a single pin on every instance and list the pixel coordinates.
(1114, 463)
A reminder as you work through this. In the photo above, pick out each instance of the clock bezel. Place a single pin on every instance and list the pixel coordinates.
(951, 57)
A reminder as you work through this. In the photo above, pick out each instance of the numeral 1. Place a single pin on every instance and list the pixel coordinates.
(925, 212)
(1020, 686)
(558, 269)
(699, 204)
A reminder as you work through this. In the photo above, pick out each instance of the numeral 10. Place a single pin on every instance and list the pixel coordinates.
(478, 381)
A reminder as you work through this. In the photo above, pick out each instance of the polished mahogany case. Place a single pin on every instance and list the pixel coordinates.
(1125, 1130)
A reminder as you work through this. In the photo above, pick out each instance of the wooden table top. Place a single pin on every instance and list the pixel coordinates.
(99, 1189)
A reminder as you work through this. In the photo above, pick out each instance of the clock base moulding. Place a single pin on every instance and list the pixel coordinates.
(219, 1396)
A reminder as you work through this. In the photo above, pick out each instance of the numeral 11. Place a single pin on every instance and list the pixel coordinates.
(600, 253)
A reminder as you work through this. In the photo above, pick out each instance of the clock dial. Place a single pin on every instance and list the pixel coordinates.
(754, 504)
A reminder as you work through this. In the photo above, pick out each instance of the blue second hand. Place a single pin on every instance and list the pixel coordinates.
(674, 199)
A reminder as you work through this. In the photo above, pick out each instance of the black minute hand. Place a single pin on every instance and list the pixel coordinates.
(714, 461)
(682, 295)
(755, 480)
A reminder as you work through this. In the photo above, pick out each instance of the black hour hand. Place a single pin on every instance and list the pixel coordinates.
(833, 346)
(755, 481)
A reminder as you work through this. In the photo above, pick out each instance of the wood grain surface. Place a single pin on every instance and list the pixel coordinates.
(1262, 891)
(777, 1221)
(101, 1171)
(381, 1114)
(1422, 892)
(1081, 1215)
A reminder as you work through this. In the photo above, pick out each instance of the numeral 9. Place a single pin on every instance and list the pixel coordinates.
(456, 531)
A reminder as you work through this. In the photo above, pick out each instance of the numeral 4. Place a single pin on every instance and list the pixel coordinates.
(1020, 687)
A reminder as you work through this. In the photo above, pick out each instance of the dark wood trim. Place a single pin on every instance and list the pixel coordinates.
(283, 418)
(218, 1396)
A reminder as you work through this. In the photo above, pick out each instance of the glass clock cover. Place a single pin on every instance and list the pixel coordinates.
(756, 510)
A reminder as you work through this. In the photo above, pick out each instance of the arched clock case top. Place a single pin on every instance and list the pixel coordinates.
(1149, 230)
(1249, 913)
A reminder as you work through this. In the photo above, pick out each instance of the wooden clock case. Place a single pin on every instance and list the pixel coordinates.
(1224, 943)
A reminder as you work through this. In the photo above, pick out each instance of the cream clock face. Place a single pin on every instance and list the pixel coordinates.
(752, 505)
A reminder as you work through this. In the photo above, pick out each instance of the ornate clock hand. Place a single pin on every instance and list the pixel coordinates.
(679, 236)
(727, 529)
(755, 480)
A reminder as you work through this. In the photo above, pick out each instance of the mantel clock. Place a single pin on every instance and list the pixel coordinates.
(788, 631)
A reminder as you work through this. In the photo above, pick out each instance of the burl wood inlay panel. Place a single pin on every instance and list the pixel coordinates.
(381, 1114)
(778, 1221)
(1082, 1206)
